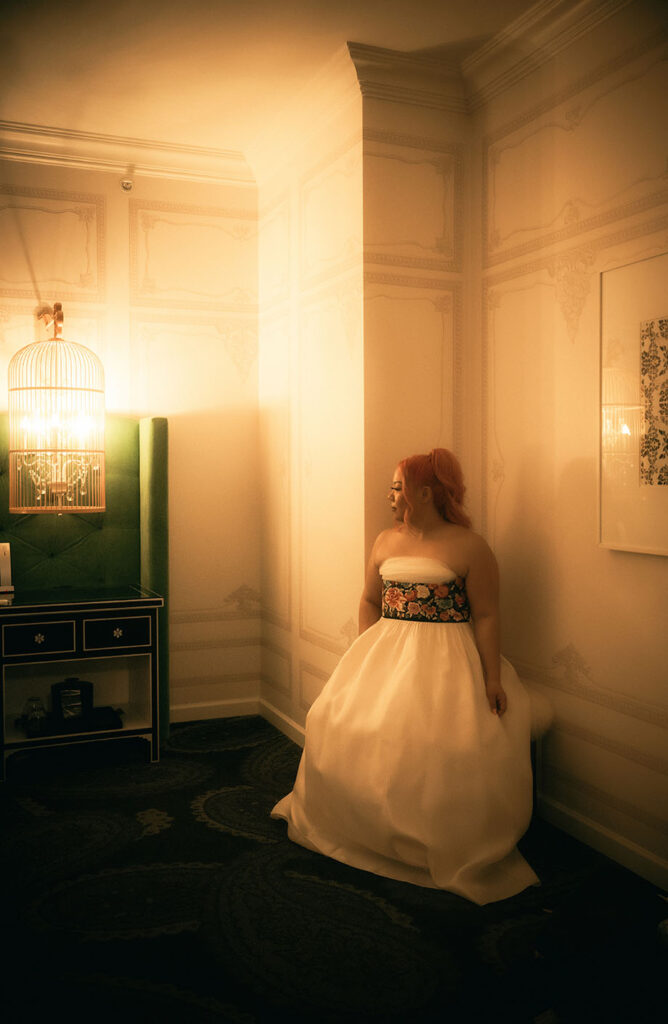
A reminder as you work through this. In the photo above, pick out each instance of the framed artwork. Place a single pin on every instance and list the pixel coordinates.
(634, 407)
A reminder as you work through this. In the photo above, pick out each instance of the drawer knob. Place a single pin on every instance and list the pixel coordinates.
(118, 632)
(39, 638)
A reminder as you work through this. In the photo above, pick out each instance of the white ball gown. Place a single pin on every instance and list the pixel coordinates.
(405, 770)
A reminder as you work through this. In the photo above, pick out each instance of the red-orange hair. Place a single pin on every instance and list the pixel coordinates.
(441, 471)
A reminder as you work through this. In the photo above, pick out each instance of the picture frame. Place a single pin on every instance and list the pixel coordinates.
(633, 486)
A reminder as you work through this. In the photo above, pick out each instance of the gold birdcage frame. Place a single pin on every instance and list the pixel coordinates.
(56, 426)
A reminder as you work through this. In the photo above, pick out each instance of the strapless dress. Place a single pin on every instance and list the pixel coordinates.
(405, 771)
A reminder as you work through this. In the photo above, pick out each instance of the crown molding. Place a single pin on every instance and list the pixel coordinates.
(418, 80)
(91, 151)
(529, 41)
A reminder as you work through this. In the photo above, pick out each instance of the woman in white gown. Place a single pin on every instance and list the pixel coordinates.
(416, 764)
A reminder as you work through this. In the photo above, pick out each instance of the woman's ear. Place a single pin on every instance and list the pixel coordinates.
(426, 495)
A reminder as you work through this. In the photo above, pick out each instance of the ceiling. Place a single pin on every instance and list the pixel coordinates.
(205, 72)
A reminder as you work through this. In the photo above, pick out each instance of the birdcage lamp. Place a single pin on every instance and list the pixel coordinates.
(56, 425)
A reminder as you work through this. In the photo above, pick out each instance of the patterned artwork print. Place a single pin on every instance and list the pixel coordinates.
(654, 398)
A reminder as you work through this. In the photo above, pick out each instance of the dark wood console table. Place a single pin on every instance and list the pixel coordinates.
(108, 638)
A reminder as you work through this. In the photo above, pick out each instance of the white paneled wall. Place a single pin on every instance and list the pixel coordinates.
(573, 184)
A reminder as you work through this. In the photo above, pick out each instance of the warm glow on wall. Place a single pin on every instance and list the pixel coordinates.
(56, 426)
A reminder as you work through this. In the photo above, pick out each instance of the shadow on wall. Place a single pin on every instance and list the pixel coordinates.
(526, 546)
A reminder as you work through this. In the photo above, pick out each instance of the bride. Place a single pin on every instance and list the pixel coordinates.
(416, 763)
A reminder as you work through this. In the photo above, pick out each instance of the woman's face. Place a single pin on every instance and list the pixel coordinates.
(396, 496)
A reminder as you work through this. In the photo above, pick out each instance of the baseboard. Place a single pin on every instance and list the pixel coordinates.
(232, 708)
(214, 709)
(287, 725)
(637, 859)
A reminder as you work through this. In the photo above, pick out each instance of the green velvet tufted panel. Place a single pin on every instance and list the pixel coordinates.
(126, 544)
(154, 546)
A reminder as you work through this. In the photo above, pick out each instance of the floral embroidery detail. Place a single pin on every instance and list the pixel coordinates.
(426, 602)
(393, 597)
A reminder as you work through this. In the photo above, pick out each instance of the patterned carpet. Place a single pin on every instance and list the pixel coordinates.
(159, 893)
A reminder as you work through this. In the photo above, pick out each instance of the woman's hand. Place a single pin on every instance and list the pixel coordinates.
(496, 698)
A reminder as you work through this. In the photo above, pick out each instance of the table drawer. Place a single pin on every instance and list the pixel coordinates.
(120, 631)
(38, 638)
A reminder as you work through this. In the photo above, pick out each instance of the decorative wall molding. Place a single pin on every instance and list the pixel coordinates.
(444, 247)
(212, 357)
(373, 257)
(246, 216)
(576, 217)
(576, 683)
(398, 77)
(436, 284)
(142, 157)
(610, 67)
(528, 42)
(33, 218)
(213, 644)
(285, 656)
(244, 599)
(572, 273)
(597, 796)
(219, 681)
(624, 750)
(274, 618)
(596, 245)
(318, 673)
(243, 603)
(182, 618)
(240, 341)
(579, 226)
(405, 140)
(325, 641)
(212, 237)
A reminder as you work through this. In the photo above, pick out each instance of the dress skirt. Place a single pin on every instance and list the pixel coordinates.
(406, 772)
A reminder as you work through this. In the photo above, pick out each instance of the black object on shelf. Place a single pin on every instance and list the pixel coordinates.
(71, 700)
(95, 720)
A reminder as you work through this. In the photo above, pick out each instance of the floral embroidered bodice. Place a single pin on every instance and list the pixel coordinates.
(440, 597)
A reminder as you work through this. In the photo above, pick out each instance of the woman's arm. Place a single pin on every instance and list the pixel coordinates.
(482, 587)
(372, 595)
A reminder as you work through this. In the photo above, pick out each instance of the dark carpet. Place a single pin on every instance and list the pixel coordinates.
(157, 893)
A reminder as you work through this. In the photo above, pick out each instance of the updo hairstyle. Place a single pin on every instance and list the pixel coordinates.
(441, 471)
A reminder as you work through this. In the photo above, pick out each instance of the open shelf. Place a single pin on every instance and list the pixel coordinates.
(123, 675)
